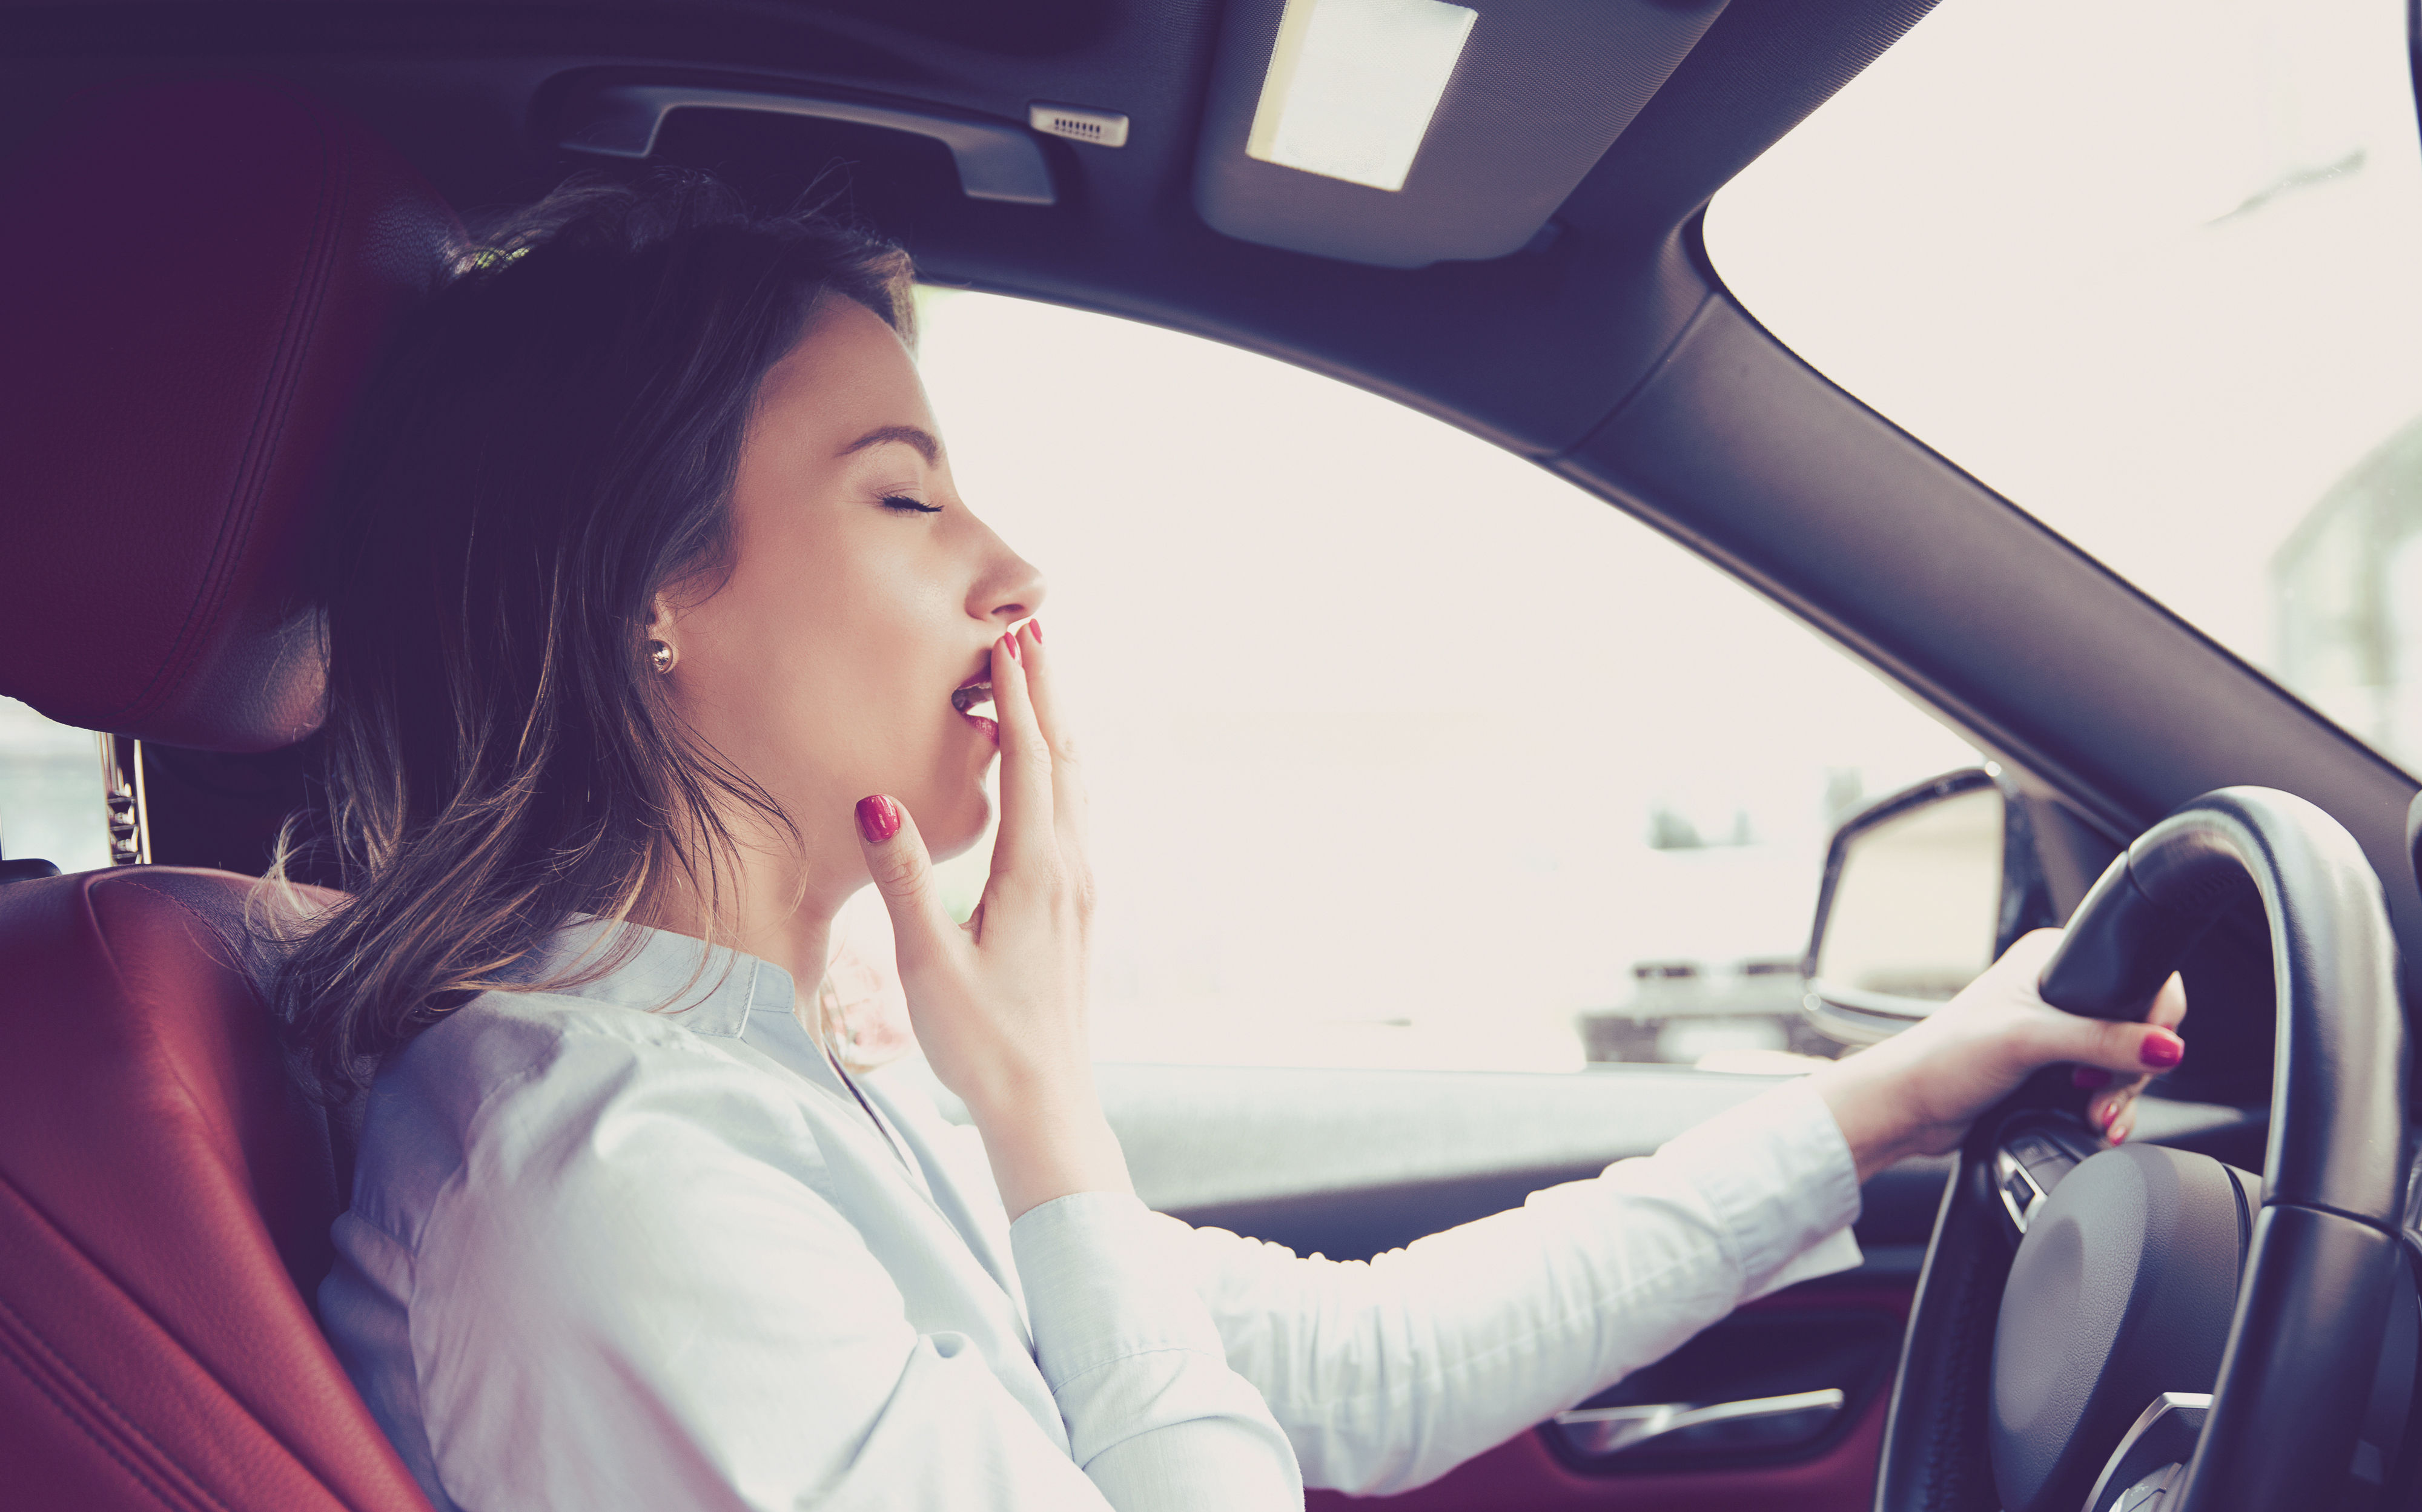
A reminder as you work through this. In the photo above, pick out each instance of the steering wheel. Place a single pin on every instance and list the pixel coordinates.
(2146, 1277)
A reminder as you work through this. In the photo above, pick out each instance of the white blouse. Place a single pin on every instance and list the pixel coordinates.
(604, 1256)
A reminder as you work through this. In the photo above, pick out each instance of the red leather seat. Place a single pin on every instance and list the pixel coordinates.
(199, 278)
(165, 1202)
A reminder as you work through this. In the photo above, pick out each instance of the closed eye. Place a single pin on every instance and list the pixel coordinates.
(904, 503)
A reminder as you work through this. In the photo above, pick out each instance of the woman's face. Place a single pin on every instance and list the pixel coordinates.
(862, 595)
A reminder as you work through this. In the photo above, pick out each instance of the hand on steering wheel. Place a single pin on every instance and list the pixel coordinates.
(2147, 1320)
(1917, 1092)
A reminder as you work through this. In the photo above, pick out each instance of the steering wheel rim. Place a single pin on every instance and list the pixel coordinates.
(2313, 1296)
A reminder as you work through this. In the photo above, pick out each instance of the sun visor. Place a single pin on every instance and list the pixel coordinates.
(1404, 132)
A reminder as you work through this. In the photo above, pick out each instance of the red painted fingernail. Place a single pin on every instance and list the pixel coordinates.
(2119, 1136)
(1036, 625)
(1010, 641)
(2107, 1114)
(2162, 1050)
(879, 818)
(2089, 1076)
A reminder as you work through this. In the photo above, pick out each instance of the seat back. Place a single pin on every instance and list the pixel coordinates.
(199, 280)
(165, 1194)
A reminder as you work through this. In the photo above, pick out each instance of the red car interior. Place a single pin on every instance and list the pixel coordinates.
(164, 1193)
(1526, 1472)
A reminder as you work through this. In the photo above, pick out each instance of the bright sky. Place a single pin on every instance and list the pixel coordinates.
(2152, 268)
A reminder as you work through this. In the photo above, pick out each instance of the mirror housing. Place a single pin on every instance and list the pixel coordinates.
(1922, 892)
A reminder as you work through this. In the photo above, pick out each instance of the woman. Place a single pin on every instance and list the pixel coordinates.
(656, 628)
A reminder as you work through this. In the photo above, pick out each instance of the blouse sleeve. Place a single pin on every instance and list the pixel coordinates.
(1155, 1414)
(1389, 1373)
(619, 1302)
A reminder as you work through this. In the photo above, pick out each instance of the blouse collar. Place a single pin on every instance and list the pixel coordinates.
(709, 989)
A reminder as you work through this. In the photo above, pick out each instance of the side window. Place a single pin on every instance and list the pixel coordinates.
(50, 792)
(1403, 752)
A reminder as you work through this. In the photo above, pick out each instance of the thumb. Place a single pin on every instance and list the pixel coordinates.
(904, 874)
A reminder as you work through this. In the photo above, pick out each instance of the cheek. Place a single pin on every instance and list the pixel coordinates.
(826, 661)
(878, 649)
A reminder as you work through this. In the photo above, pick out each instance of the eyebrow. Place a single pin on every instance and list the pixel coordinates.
(923, 440)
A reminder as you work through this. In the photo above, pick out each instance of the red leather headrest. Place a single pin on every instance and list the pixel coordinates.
(197, 278)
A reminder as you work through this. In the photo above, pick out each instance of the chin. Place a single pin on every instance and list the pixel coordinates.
(958, 828)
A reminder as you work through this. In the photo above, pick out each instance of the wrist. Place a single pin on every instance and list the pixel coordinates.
(1007, 1100)
(1864, 1101)
(1049, 1150)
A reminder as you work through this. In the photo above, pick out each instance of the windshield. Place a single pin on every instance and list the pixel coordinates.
(2152, 269)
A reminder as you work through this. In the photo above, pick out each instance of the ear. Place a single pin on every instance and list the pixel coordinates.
(661, 617)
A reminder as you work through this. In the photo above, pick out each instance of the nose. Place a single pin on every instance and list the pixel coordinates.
(1009, 589)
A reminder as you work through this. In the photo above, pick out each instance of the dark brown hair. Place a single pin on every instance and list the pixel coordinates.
(554, 445)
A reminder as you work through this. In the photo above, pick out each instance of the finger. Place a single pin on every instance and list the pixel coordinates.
(2104, 1112)
(2168, 1008)
(1050, 716)
(2119, 1120)
(904, 874)
(2121, 1047)
(1026, 842)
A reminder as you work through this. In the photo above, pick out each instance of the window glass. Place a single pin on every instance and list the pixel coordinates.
(2153, 270)
(1403, 752)
(50, 792)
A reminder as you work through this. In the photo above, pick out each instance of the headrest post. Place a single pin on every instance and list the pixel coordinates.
(121, 786)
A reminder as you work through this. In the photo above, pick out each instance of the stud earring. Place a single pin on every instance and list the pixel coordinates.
(660, 656)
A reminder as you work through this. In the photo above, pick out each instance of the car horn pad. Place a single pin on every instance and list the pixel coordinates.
(2121, 1290)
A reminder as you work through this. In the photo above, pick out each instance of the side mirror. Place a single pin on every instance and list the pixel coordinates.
(1922, 892)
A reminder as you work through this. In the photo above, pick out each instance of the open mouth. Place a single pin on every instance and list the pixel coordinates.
(969, 697)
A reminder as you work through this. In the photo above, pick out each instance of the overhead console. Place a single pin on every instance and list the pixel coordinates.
(1403, 132)
(606, 116)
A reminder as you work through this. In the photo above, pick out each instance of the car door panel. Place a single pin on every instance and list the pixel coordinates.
(1353, 1163)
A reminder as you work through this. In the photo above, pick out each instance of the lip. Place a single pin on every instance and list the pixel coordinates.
(964, 699)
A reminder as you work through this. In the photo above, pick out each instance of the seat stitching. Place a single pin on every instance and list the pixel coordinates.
(27, 1332)
(193, 1099)
(133, 1471)
(196, 1104)
(236, 967)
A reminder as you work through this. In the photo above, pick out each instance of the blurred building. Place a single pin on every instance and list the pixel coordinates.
(2347, 596)
(1682, 1011)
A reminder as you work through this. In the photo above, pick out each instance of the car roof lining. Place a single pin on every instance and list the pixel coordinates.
(1530, 350)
